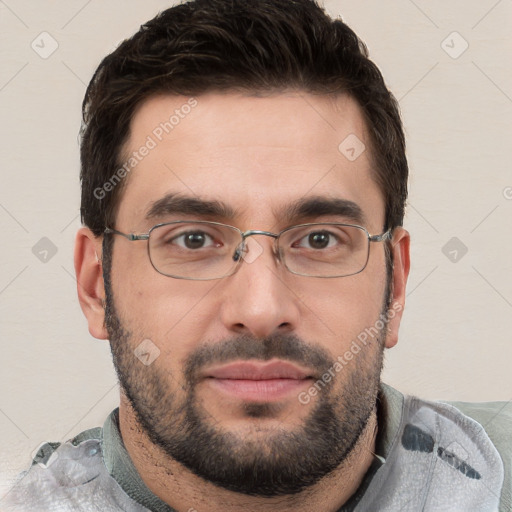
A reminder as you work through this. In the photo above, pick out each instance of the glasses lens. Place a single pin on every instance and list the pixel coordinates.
(194, 250)
(325, 250)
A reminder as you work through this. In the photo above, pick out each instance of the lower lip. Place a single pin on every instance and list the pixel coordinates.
(259, 390)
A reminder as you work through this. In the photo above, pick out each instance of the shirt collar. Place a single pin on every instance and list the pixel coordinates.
(120, 466)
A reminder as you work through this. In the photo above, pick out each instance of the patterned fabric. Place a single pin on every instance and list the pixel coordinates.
(431, 457)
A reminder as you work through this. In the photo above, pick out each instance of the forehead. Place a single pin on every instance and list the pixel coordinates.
(254, 154)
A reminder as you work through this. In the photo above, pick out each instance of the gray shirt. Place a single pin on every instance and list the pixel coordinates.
(431, 456)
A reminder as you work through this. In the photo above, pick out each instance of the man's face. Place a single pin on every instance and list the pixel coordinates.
(235, 354)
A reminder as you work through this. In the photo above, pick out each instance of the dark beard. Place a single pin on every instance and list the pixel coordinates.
(284, 461)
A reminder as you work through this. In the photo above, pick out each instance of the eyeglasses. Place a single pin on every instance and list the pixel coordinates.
(203, 250)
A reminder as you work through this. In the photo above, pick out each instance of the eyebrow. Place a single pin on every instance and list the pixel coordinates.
(176, 203)
(320, 206)
(305, 208)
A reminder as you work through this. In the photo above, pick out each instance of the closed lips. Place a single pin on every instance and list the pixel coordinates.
(259, 371)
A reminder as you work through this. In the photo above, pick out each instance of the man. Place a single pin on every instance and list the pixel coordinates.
(243, 188)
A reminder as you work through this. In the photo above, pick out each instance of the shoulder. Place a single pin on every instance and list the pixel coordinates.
(467, 434)
(69, 477)
(58, 476)
(487, 424)
(496, 419)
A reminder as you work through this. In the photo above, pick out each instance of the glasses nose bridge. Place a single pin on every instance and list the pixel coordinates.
(246, 234)
(252, 232)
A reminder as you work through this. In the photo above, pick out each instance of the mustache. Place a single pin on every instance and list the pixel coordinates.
(288, 347)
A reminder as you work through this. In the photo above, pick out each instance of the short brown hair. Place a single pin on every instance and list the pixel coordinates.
(241, 45)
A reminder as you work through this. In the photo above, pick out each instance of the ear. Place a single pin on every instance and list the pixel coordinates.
(401, 265)
(89, 277)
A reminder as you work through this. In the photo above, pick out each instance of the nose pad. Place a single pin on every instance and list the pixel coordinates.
(249, 250)
(239, 251)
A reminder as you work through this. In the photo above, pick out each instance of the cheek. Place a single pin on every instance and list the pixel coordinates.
(340, 309)
(173, 313)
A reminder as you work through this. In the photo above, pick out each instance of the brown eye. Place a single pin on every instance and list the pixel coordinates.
(193, 240)
(319, 240)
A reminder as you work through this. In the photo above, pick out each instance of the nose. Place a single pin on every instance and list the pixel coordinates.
(259, 298)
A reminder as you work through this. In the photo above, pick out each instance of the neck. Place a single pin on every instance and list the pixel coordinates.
(184, 491)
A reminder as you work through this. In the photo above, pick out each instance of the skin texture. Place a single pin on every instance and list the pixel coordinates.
(257, 155)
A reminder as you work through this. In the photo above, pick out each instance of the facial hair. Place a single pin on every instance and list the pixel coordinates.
(285, 461)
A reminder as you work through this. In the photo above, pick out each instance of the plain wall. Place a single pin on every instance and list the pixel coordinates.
(455, 343)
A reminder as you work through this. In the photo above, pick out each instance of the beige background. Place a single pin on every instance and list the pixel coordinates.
(56, 380)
